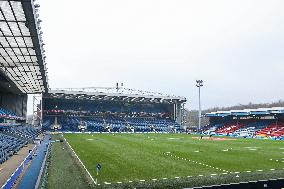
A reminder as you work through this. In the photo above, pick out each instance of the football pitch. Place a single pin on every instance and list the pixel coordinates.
(160, 158)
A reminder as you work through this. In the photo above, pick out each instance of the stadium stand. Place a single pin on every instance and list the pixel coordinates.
(102, 111)
(13, 138)
(273, 130)
(25, 132)
(7, 114)
(227, 129)
(261, 123)
(9, 146)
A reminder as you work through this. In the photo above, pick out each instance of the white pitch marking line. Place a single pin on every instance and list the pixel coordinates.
(248, 171)
(200, 175)
(199, 163)
(272, 169)
(224, 173)
(177, 177)
(142, 180)
(118, 182)
(259, 170)
(107, 183)
(213, 174)
(237, 172)
(189, 176)
(154, 179)
(130, 181)
(165, 178)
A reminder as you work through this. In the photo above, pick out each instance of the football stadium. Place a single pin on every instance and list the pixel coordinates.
(117, 137)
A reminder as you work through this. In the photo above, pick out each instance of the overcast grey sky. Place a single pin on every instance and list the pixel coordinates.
(236, 47)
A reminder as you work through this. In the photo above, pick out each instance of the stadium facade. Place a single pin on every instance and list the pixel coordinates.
(111, 109)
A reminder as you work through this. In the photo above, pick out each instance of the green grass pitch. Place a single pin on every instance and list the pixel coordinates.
(137, 157)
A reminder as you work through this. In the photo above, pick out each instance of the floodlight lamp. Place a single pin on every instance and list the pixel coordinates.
(37, 5)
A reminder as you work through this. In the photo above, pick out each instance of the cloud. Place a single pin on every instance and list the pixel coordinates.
(165, 45)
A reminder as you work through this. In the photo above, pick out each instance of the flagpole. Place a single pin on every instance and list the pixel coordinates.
(97, 176)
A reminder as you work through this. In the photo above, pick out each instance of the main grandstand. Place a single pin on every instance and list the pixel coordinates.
(22, 71)
(256, 123)
(112, 110)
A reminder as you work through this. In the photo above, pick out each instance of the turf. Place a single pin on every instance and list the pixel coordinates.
(136, 157)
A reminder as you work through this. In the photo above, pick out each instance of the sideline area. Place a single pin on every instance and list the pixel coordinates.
(30, 177)
(61, 175)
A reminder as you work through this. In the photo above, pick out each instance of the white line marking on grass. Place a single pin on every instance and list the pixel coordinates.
(107, 183)
(259, 170)
(154, 179)
(224, 173)
(200, 175)
(165, 178)
(119, 182)
(177, 177)
(213, 174)
(189, 176)
(130, 181)
(81, 162)
(200, 163)
(142, 180)
(248, 171)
